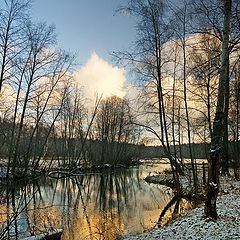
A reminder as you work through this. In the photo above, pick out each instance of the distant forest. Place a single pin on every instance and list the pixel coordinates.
(200, 151)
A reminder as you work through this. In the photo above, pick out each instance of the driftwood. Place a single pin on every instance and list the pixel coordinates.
(161, 180)
(51, 235)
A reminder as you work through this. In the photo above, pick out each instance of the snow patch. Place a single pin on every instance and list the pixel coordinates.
(193, 226)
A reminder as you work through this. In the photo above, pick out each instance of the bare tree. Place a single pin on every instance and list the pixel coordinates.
(73, 118)
(234, 119)
(210, 22)
(205, 61)
(181, 17)
(115, 131)
(217, 133)
(38, 63)
(12, 18)
(149, 61)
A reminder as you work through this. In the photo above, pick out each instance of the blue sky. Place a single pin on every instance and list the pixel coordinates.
(92, 29)
(87, 26)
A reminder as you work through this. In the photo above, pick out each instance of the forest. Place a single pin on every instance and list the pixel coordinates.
(183, 104)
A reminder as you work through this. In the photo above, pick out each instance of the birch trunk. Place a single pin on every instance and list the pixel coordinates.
(217, 134)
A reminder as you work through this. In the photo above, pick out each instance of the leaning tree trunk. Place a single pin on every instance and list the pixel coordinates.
(214, 158)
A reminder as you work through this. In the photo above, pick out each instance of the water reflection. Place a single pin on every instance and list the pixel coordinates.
(100, 206)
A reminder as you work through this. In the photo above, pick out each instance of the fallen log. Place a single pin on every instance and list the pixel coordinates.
(51, 235)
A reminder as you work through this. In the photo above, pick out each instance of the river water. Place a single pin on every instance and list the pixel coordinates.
(106, 205)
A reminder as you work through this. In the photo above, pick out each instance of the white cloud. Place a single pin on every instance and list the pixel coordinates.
(97, 77)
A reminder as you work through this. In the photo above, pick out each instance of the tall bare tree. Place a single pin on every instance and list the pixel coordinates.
(13, 14)
(148, 60)
(217, 132)
(39, 62)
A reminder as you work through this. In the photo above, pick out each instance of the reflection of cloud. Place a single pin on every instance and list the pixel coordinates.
(98, 77)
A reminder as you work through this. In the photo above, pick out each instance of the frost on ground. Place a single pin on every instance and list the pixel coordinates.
(193, 226)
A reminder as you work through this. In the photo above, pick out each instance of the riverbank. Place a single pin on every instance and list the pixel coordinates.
(192, 225)
(54, 170)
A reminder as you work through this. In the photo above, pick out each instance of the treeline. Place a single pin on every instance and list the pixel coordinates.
(47, 149)
(69, 142)
(200, 151)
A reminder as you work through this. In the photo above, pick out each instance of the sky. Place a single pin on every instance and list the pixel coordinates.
(87, 26)
(91, 29)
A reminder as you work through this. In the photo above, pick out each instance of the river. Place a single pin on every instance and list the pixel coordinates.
(106, 205)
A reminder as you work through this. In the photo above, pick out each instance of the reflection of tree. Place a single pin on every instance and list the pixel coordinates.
(104, 202)
(99, 202)
(15, 199)
(100, 206)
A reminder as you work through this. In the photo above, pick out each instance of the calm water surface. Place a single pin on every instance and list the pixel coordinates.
(100, 206)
